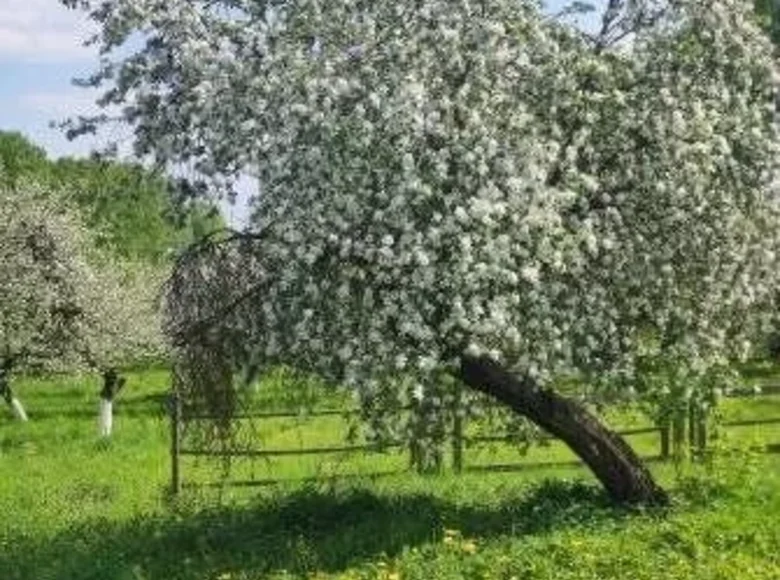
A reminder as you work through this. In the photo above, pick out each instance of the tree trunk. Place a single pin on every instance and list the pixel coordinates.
(611, 459)
(105, 417)
(112, 384)
(18, 409)
(7, 392)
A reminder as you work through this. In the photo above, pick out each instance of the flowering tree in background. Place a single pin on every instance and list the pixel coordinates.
(63, 306)
(122, 327)
(134, 213)
(468, 188)
(39, 293)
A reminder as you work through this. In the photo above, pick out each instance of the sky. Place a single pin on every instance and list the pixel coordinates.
(41, 51)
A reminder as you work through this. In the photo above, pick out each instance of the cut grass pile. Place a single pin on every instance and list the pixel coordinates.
(72, 506)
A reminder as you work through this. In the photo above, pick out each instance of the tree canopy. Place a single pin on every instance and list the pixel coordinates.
(467, 187)
(63, 305)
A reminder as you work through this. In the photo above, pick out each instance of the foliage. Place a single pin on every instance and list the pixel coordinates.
(134, 211)
(62, 304)
(768, 12)
(503, 188)
(449, 178)
(20, 157)
(86, 510)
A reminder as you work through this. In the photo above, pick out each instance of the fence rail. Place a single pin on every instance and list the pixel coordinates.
(695, 426)
(200, 416)
(289, 452)
(195, 413)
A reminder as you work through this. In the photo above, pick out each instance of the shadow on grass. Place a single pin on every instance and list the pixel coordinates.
(305, 531)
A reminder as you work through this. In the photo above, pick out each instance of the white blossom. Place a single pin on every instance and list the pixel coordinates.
(64, 305)
(473, 168)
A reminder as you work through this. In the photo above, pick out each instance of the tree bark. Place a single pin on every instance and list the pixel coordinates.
(7, 393)
(614, 463)
(112, 384)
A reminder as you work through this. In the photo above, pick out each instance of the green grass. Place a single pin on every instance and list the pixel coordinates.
(72, 506)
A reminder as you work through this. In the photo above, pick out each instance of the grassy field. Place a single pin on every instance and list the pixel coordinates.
(73, 506)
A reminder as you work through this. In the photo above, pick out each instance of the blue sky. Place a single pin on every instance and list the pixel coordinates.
(40, 53)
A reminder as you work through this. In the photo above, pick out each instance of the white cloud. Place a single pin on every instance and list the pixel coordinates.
(42, 31)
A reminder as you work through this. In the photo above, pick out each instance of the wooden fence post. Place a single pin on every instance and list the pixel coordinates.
(665, 440)
(692, 420)
(457, 444)
(702, 432)
(457, 432)
(175, 443)
(697, 430)
(678, 433)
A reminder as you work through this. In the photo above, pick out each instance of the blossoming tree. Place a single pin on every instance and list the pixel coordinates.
(470, 187)
(121, 326)
(64, 306)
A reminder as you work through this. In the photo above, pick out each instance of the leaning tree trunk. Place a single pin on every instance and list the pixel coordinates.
(607, 454)
(112, 384)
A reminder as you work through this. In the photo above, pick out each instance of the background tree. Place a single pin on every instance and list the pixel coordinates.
(20, 157)
(136, 212)
(122, 327)
(468, 188)
(64, 305)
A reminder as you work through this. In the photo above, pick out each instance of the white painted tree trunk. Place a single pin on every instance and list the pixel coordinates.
(105, 417)
(18, 409)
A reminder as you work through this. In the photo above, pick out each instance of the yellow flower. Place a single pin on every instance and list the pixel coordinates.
(469, 546)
